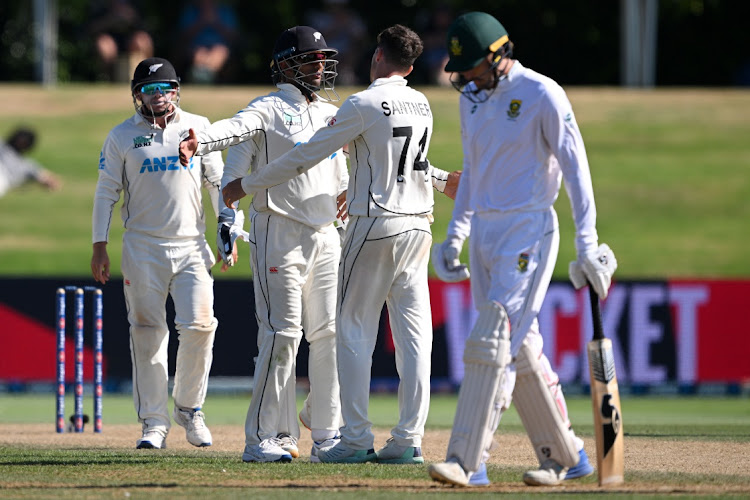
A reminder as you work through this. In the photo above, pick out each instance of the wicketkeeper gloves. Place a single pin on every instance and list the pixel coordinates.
(229, 228)
(595, 269)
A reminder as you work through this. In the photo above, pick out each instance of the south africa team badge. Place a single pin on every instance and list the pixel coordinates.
(523, 262)
(514, 109)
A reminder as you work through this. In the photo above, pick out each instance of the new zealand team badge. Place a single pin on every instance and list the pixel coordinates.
(514, 110)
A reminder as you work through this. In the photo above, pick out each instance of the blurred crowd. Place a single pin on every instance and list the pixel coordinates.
(209, 42)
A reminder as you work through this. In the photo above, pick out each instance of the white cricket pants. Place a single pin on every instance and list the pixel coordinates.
(512, 258)
(384, 260)
(294, 278)
(153, 268)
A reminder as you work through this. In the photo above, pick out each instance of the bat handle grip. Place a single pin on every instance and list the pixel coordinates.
(596, 314)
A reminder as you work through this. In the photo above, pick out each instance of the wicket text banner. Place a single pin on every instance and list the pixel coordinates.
(677, 331)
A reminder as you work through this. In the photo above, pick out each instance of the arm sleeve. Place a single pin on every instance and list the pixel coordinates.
(212, 166)
(225, 133)
(108, 187)
(561, 132)
(349, 124)
(439, 178)
(240, 161)
(460, 224)
(343, 171)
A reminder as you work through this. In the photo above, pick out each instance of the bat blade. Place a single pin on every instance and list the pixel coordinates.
(605, 400)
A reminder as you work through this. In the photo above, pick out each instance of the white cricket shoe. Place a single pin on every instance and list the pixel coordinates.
(550, 473)
(152, 439)
(288, 444)
(393, 453)
(268, 450)
(449, 472)
(321, 445)
(342, 454)
(194, 423)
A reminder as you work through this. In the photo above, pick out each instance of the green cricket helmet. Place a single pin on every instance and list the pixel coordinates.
(470, 39)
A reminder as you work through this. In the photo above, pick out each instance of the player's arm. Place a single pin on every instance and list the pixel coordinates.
(595, 264)
(212, 167)
(231, 220)
(323, 143)
(446, 255)
(108, 188)
(223, 133)
(343, 173)
(445, 182)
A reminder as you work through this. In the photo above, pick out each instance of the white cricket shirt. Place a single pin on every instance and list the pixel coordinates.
(269, 127)
(161, 197)
(388, 128)
(518, 146)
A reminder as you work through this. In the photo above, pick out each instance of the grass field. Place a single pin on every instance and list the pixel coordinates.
(675, 447)
(669, 169)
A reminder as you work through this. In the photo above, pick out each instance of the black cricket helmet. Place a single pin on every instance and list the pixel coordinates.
(154, 70)
(302, 45)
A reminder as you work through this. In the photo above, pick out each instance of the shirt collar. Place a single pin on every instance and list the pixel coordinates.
(391, 80)
(513, 74)
(292, 92)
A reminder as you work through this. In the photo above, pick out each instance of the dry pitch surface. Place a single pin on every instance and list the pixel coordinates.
(648, 459)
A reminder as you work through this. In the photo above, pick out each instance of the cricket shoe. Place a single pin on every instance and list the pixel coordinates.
(319, 445)
(449, 472)
(288, 444)
(551, 473)
(393, 453)
(479, 478)
(152, 439)
(342, 454)
(268, 450)
(194, 423)
(582, 469)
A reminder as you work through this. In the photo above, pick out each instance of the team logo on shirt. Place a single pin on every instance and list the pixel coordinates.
(523, 262)
(290, 120)
(143, 140)
(102, 163)
(273, 270)
(514, 109)
(163, 164)
(331, 121)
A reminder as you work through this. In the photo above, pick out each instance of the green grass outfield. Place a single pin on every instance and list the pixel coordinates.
(664, 441)
(669, 168)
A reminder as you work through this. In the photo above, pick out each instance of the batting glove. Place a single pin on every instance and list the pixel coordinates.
(229, 228)
(595, 269)
(445, 260)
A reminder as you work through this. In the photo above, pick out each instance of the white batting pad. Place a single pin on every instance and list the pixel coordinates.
(540, 414)
(486, 355)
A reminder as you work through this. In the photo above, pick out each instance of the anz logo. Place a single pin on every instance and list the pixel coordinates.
(163, 164)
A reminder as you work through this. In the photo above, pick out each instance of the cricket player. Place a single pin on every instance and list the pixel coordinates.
(387, 128)
(520, 139)
(164, 250)
(295, 246)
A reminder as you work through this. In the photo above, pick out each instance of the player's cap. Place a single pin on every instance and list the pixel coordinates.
(470, 38)
(299, 40)
(153, 69)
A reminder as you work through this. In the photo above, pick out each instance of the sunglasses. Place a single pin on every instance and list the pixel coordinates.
(311, 57)
(161, 87)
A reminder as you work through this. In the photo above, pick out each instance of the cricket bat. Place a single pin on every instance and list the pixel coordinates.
(605, 398)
